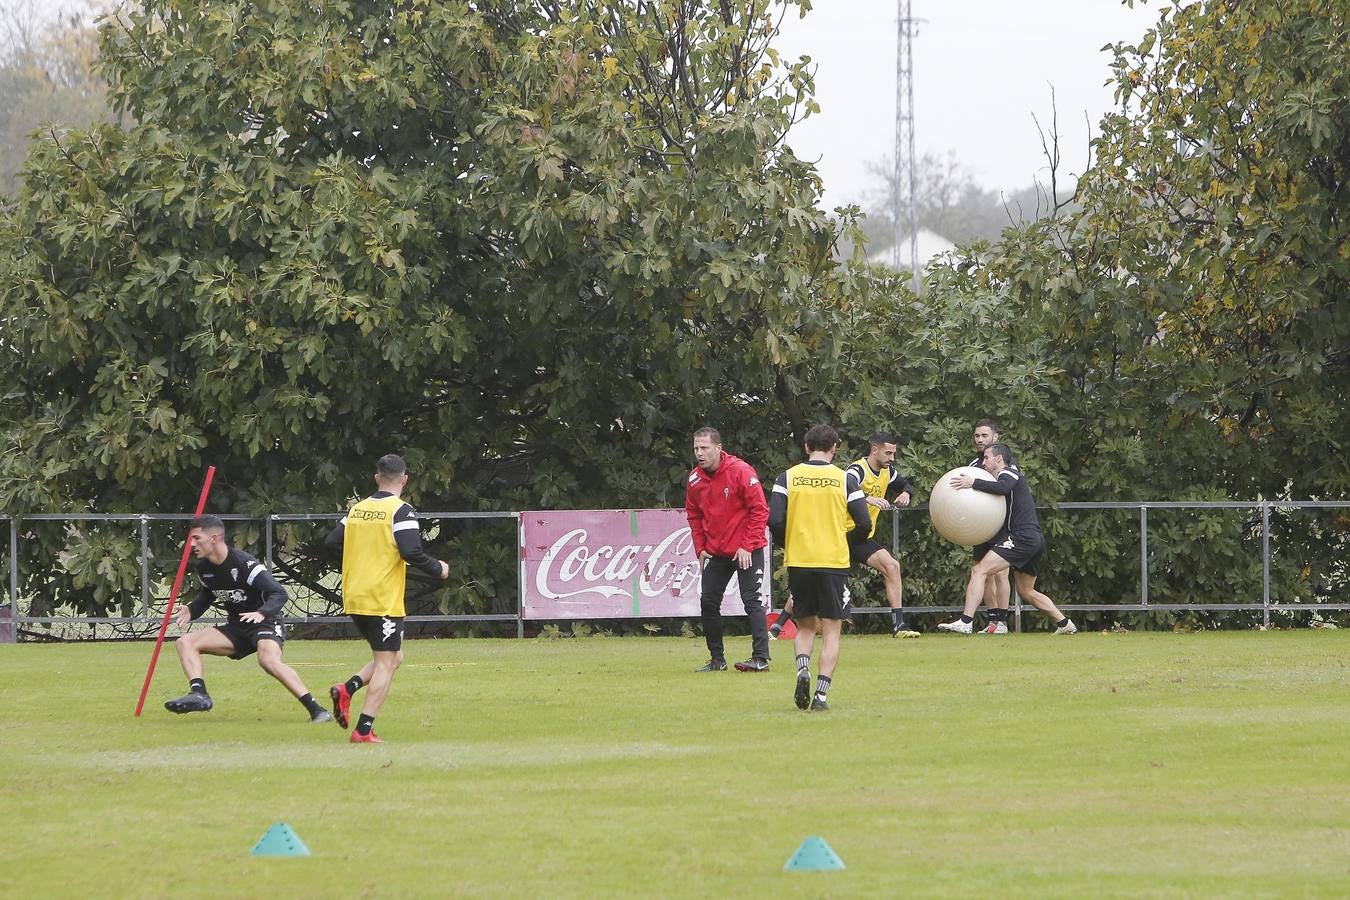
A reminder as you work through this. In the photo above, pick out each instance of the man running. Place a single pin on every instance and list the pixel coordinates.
(378, 538)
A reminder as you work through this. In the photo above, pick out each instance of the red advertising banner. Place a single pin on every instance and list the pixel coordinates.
(613, 564)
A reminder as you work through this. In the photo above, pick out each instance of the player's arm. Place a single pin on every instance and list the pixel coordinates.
(336, 540)
(778, 507)
(408, 537)
(758, 508)
(1003, 485)
(191, 611)
(273, 594)
(698, 533)
(857, 508)
(901, 489)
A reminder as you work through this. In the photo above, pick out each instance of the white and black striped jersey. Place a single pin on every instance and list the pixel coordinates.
(243, 585)
(1021, 518)
(896, 485)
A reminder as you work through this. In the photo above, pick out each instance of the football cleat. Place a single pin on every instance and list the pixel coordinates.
(904, 633)
(320, 716)
(755, 664)
(713, 665)
(774, 631)
(192, 702)
(956, 627)
(802, 695)
(995, 628)
(342, 704)
(1067, 628)
(359, 738)
(819, 705)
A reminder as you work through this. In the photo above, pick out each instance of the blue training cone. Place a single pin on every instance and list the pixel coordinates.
(814, 855)
(280, 840)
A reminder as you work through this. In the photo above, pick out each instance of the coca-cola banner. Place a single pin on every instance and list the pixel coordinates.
(613, 564)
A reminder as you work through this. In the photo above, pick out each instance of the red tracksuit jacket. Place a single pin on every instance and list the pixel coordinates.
(726, 509)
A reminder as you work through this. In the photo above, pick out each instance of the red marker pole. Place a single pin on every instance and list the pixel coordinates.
(173, 594)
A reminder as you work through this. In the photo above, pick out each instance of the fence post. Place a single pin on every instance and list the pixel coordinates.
(1265, 563)
(520, 576)
(145, 566)
(267, 541)
(1143, 555)
(9, 621)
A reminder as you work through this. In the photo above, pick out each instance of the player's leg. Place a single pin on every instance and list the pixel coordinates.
(829, 657)
(889, 567)
(269, 658)
(751, 583)
(191, 647)
(996, 597)
(804, 643)
(343, 692)
(1026, 586)
(784, 617)
(381, 678)
(384, 634)
(717, 572)
(989, 563)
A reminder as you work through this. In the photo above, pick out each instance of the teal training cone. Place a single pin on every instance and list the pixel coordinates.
(814, 855)
(280, 840)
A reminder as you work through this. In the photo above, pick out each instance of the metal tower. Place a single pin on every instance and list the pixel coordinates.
(903, 184)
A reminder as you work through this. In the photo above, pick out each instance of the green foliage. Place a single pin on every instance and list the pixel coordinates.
(530, 247)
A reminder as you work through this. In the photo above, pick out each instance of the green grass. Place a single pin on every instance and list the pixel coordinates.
(1036, 766)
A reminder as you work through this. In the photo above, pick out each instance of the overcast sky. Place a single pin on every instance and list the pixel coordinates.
(981, 68)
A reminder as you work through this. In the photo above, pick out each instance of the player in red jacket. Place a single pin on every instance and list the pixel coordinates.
(727, 517)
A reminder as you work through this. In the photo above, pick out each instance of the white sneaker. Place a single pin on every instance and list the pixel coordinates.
(1067, 628)
(956, 627)
(995, 628)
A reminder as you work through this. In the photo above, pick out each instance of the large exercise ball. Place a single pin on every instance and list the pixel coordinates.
(966, 516)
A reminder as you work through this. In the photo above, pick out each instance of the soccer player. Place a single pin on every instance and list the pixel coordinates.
(378, 539)
(810, 514)
(1019, 545)
(996, 591)
(725, 505)
(253, 601)
(876, 476)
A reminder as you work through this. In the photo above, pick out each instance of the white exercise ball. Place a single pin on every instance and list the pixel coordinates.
(965, 515)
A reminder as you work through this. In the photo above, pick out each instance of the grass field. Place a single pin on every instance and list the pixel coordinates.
(1099, 765)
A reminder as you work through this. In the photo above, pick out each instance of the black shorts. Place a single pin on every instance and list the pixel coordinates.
(245, 635)
(979, 550)
(816, 593)
(861, 551)
(381, 632)
(1023, 552)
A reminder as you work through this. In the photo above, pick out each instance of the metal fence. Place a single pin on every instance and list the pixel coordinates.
(14, 617)
(298, 611)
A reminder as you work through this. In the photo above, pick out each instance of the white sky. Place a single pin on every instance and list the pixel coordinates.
(981, 68)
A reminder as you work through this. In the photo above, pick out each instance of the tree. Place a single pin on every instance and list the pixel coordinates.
(527, 246)
(1195, 297)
